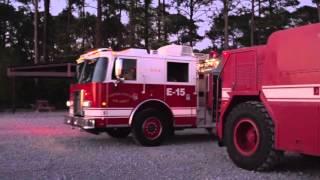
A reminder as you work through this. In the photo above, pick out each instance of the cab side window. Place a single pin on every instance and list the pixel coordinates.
(177, 72)
(129, 69)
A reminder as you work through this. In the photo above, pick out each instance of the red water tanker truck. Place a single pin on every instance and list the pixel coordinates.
(270, 100)
(261, 100)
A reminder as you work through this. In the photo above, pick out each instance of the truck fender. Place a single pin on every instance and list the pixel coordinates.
(140, 105)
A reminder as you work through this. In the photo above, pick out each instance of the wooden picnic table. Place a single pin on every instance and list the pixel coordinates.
(42, 105)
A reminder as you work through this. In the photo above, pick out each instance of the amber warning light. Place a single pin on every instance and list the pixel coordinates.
(209, 64)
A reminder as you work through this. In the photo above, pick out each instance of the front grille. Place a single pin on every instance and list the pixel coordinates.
(77, 107)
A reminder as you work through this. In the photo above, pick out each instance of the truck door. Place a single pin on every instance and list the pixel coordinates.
(180, 92)
(123, 95)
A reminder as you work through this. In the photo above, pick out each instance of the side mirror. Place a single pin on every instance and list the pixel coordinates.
(118, 71)
(118, 68)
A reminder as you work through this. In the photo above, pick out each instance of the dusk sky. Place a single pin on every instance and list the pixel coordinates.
(58, 5)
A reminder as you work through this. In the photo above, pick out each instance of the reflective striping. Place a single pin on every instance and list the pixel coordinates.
(291, 86)
(179, 112)
(71, 111)
(94, 112)
(301, 92)
(194, 112)
(294, 100)
(225, 93)
(108, 112)
(119, 112)
(184, 111)
(126, 112)
(109, 117)
(291, 93)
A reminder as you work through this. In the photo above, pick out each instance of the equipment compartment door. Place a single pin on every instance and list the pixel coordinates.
(246, 71)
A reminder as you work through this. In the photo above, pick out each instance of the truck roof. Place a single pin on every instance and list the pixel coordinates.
(171, 51)
(296, 49)
(243, 49)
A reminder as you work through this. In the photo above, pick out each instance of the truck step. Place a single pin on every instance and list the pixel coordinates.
(213, 125)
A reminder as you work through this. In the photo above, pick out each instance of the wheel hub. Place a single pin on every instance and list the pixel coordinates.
(152, 128)
(246, 137)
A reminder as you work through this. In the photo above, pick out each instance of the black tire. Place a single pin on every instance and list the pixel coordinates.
(171, 132)
(254, 150)
(153, 137)
(118, 132)
(310, 157)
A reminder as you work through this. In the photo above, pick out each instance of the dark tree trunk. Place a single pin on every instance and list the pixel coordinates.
(82, 16)
(178, 7)
(318, 7)
(98, 37)
(252, 23)
(226, 23)
(259, 5)
(132, 23)
(146, 23)
(191, 9)
(69, 10)
(271, 7)
(45, 30)
(120, 8)
(35, 31)
(68, 31)
(164, 23)
(159, 20)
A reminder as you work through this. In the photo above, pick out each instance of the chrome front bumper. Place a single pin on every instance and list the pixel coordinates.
(81, 122)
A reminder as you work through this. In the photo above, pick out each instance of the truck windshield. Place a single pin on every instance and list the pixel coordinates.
(92, 70)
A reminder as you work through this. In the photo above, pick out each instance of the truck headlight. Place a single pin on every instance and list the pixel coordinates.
(68, 103)
(86, 103)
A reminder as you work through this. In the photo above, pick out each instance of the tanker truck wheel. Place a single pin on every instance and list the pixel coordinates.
(249, 137)
(118, 132)
(149, 128)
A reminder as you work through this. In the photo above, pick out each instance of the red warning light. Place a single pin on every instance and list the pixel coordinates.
(213, 54)
(225, 54)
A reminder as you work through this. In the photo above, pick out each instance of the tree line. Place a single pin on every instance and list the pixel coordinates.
(32, 35)
(37, 36)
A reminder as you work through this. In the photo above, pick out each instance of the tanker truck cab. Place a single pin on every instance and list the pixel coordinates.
(148, 94)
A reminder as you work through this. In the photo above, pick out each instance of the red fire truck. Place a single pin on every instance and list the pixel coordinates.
(270, 100)
(148, 94)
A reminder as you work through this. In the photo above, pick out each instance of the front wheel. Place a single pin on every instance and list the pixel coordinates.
(249, 137)
(149, 128)
(118, 132)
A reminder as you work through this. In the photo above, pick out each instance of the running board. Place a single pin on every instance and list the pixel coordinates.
(207, 125)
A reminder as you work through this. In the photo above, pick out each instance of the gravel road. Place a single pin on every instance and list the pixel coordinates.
(40, 146)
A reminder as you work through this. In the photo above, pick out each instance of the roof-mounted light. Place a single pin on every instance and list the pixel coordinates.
(213, 54)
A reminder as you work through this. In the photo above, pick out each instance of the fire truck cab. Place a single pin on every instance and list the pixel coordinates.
(148, 94)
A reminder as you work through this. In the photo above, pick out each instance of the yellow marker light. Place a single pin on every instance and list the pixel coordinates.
(86, 103)
(104, 104)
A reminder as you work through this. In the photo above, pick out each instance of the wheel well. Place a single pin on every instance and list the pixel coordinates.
(234, 102)
(155, 104)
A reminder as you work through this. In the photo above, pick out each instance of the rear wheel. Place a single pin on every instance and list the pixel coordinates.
(149, 128)
(249, 137)
(118, 132)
